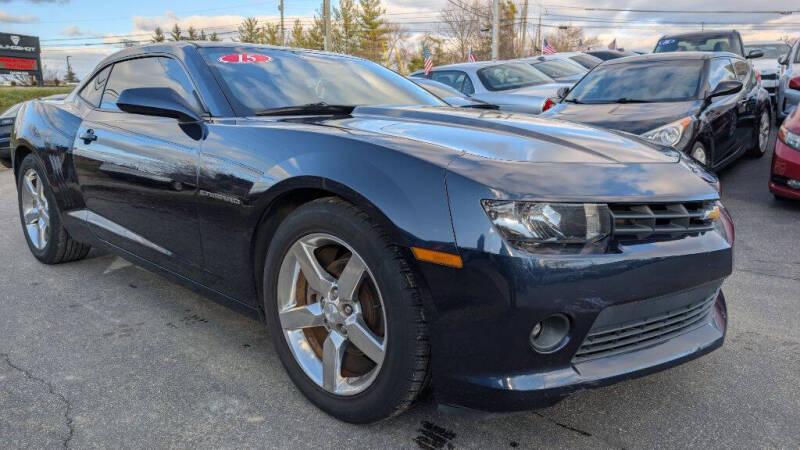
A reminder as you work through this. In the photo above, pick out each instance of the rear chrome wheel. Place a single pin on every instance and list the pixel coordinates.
(761, 135)
(35, 209)
(332, 314)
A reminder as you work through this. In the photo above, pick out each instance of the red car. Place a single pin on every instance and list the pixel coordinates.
(785, 179)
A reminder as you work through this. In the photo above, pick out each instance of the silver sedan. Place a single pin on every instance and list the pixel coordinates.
(512, 86)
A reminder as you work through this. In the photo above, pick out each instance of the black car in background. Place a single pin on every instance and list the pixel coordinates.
(606, 55)
(707, 105)
(6, 124)
(387, 239)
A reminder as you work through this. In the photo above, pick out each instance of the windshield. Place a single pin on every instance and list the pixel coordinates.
(261, 78)
(697, 44)
(771, 51)
(503, 77)
(660, 81)
(554, 68)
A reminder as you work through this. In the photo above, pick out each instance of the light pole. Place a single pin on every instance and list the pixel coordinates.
(69, 71)
(495, 25)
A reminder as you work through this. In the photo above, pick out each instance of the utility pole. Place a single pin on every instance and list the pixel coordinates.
(539, 31)
(326, 13)
(283, 29)
(524, 41)
(495, 26)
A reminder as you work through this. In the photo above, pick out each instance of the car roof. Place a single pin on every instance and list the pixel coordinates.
(701, 34)
(475, 65)
(778, 42)
(671, 56)
(171, 47)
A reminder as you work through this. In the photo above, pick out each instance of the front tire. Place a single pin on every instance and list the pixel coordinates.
(762, 132)
(47, 238)
(344, 312)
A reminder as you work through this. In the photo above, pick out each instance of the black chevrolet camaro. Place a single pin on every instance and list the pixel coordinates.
(387, 240)
(707, 104)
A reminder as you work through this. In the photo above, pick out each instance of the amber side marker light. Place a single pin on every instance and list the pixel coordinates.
(445, 259)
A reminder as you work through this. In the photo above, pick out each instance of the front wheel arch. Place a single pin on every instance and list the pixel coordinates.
(290, 195)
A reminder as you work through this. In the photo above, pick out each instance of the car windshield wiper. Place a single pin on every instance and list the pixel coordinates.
(308, 108)
(572, 100)
(629, 100)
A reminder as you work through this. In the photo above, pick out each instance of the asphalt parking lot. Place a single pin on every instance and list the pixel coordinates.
(101, 353)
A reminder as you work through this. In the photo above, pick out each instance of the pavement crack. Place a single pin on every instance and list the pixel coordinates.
(767, 274)
(52, 391)
(574, 429)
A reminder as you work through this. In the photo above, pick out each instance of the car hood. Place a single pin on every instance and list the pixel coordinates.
(513, 155)
(635, 118)
(507, 137)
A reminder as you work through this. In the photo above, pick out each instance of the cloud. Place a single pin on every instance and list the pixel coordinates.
(9, 18)
(73, 30)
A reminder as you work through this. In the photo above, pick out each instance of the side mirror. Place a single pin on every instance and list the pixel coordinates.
(562, 92)
(726, 87)
(783, 60)
(162, 102)
(755, 53)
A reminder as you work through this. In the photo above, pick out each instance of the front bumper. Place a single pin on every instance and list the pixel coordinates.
(787, 99)
(5, 148)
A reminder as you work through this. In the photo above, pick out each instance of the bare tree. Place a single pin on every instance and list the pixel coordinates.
(566, 39)
(462, 26)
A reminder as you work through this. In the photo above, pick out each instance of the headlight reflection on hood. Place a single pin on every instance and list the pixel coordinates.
(551, 227)
(670, 134)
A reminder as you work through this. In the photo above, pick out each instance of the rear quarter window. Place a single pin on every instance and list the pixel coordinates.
(93, 91)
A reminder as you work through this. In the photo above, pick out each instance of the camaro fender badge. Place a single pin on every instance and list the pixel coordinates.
(225, 198)
(244, 58)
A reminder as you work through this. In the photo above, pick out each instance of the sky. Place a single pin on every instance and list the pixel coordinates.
(88, 30)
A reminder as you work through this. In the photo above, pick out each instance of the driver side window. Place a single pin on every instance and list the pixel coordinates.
(148, 72)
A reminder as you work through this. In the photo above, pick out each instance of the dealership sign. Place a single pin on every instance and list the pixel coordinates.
(20, 54)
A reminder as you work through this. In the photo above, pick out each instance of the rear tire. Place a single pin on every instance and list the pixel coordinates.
(315, 239)
(761, 135)
(47, 238)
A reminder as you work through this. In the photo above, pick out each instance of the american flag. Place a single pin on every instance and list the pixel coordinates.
(580, 45)
(428, 61)
(547, 49)
(471, 55)
(613, 44)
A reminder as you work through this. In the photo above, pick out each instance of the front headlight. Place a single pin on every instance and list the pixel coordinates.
(543, 227)
(670, 134)
(789, 138)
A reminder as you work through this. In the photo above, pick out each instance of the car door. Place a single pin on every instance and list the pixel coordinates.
(722, 112)
(138, 173)
(747, 104)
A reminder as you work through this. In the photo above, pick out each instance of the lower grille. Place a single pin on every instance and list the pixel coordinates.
(660, 220)
(634, 335)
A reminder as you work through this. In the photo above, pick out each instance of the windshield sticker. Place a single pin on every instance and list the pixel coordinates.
(244, 58)
(666, 42)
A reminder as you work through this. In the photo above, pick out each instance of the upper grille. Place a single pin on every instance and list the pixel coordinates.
(660, 220)
(634, 335)
(769, 76)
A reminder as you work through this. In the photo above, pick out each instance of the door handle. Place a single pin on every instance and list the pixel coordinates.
(88, 136)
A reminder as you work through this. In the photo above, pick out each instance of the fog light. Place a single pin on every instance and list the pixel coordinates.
(550, 334)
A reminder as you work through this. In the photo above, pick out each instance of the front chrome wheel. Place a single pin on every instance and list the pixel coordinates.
(35, 210)
(763, 132)
(332, 314)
